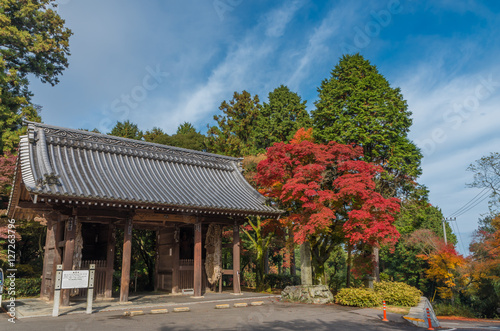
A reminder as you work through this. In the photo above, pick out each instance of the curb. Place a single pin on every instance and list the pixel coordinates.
(222, 306)
(257, 303)
(186, 309)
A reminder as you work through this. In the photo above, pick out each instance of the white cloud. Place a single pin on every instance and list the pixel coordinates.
(278, 19)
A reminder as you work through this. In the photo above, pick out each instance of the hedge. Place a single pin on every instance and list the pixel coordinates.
(393, 293)
(358, 297)
(398, 294)
(24, 287)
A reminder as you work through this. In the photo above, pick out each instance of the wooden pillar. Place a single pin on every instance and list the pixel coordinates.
(48, 258)
(59, 229)
(175, 262)
(69, 249)
(236, 259)
(110, 257)
(197, 259)
(126, 259)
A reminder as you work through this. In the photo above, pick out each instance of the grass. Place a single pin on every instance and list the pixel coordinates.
(395, 309)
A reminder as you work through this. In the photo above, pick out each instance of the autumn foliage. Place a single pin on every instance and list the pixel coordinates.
(7, 168)
(445, 266)
(322, 185)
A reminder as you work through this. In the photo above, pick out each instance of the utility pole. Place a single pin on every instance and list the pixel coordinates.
(449, 219)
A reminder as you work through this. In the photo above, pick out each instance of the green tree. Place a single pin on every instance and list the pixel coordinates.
(127, 129)
(280, 118)
(259, 233)
(188, 137)
(403, 264)
(185, 128)
(156, 135)
(358, 106)
(35, 41)
(234, 133)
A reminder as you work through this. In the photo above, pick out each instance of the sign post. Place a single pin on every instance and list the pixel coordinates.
(90, 291)
(57, 291)
(71, 279)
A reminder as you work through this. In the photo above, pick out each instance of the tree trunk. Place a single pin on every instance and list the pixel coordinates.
(349, 260)
(375, 261)
(305, 264)
(293, 270)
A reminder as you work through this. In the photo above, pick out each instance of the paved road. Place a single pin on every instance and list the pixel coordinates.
(271, 316)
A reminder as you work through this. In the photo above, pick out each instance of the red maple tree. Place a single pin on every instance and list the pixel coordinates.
(321, 185)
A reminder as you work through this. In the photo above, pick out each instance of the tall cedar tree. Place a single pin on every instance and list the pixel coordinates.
(234, 133)
(280, 118)
(357, 105)
(34, 41)
(326, 189)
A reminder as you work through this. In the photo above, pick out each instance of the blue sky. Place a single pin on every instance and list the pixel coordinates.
(161, 63)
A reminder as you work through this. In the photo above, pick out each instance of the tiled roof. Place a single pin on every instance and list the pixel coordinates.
(73, 164)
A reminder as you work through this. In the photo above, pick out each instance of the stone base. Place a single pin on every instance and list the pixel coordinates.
(418, 314)
(318, 294)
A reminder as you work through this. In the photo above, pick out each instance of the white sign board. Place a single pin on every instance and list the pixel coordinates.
(75, 279)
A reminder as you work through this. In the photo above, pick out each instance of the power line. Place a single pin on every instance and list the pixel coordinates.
(472, 206)
(460, 237)
(473, 202)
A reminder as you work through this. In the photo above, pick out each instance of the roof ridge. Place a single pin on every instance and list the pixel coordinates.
(139, 145)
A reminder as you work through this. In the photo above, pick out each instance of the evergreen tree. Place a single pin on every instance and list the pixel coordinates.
(34, 41)
(234, 134)
(185, 128)
(186, 137)
(358, 106)
(156, 135)
(280, 118)
(127, 129)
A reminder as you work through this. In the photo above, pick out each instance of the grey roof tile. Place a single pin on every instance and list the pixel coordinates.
(106, 168)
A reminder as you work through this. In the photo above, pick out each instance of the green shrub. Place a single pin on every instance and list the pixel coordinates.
(398, 294)
(24, 287)
(358, 297)
(248, 279)
(446, 309)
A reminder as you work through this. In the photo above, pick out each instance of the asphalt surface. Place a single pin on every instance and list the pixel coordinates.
(272, 315)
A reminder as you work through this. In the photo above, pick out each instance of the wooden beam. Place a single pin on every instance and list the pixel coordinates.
(35, 206)
(147, 215)
(99, 212)
(69, 249)
(110, 257)
(236, 259)
(197, 259)
(126, 260)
